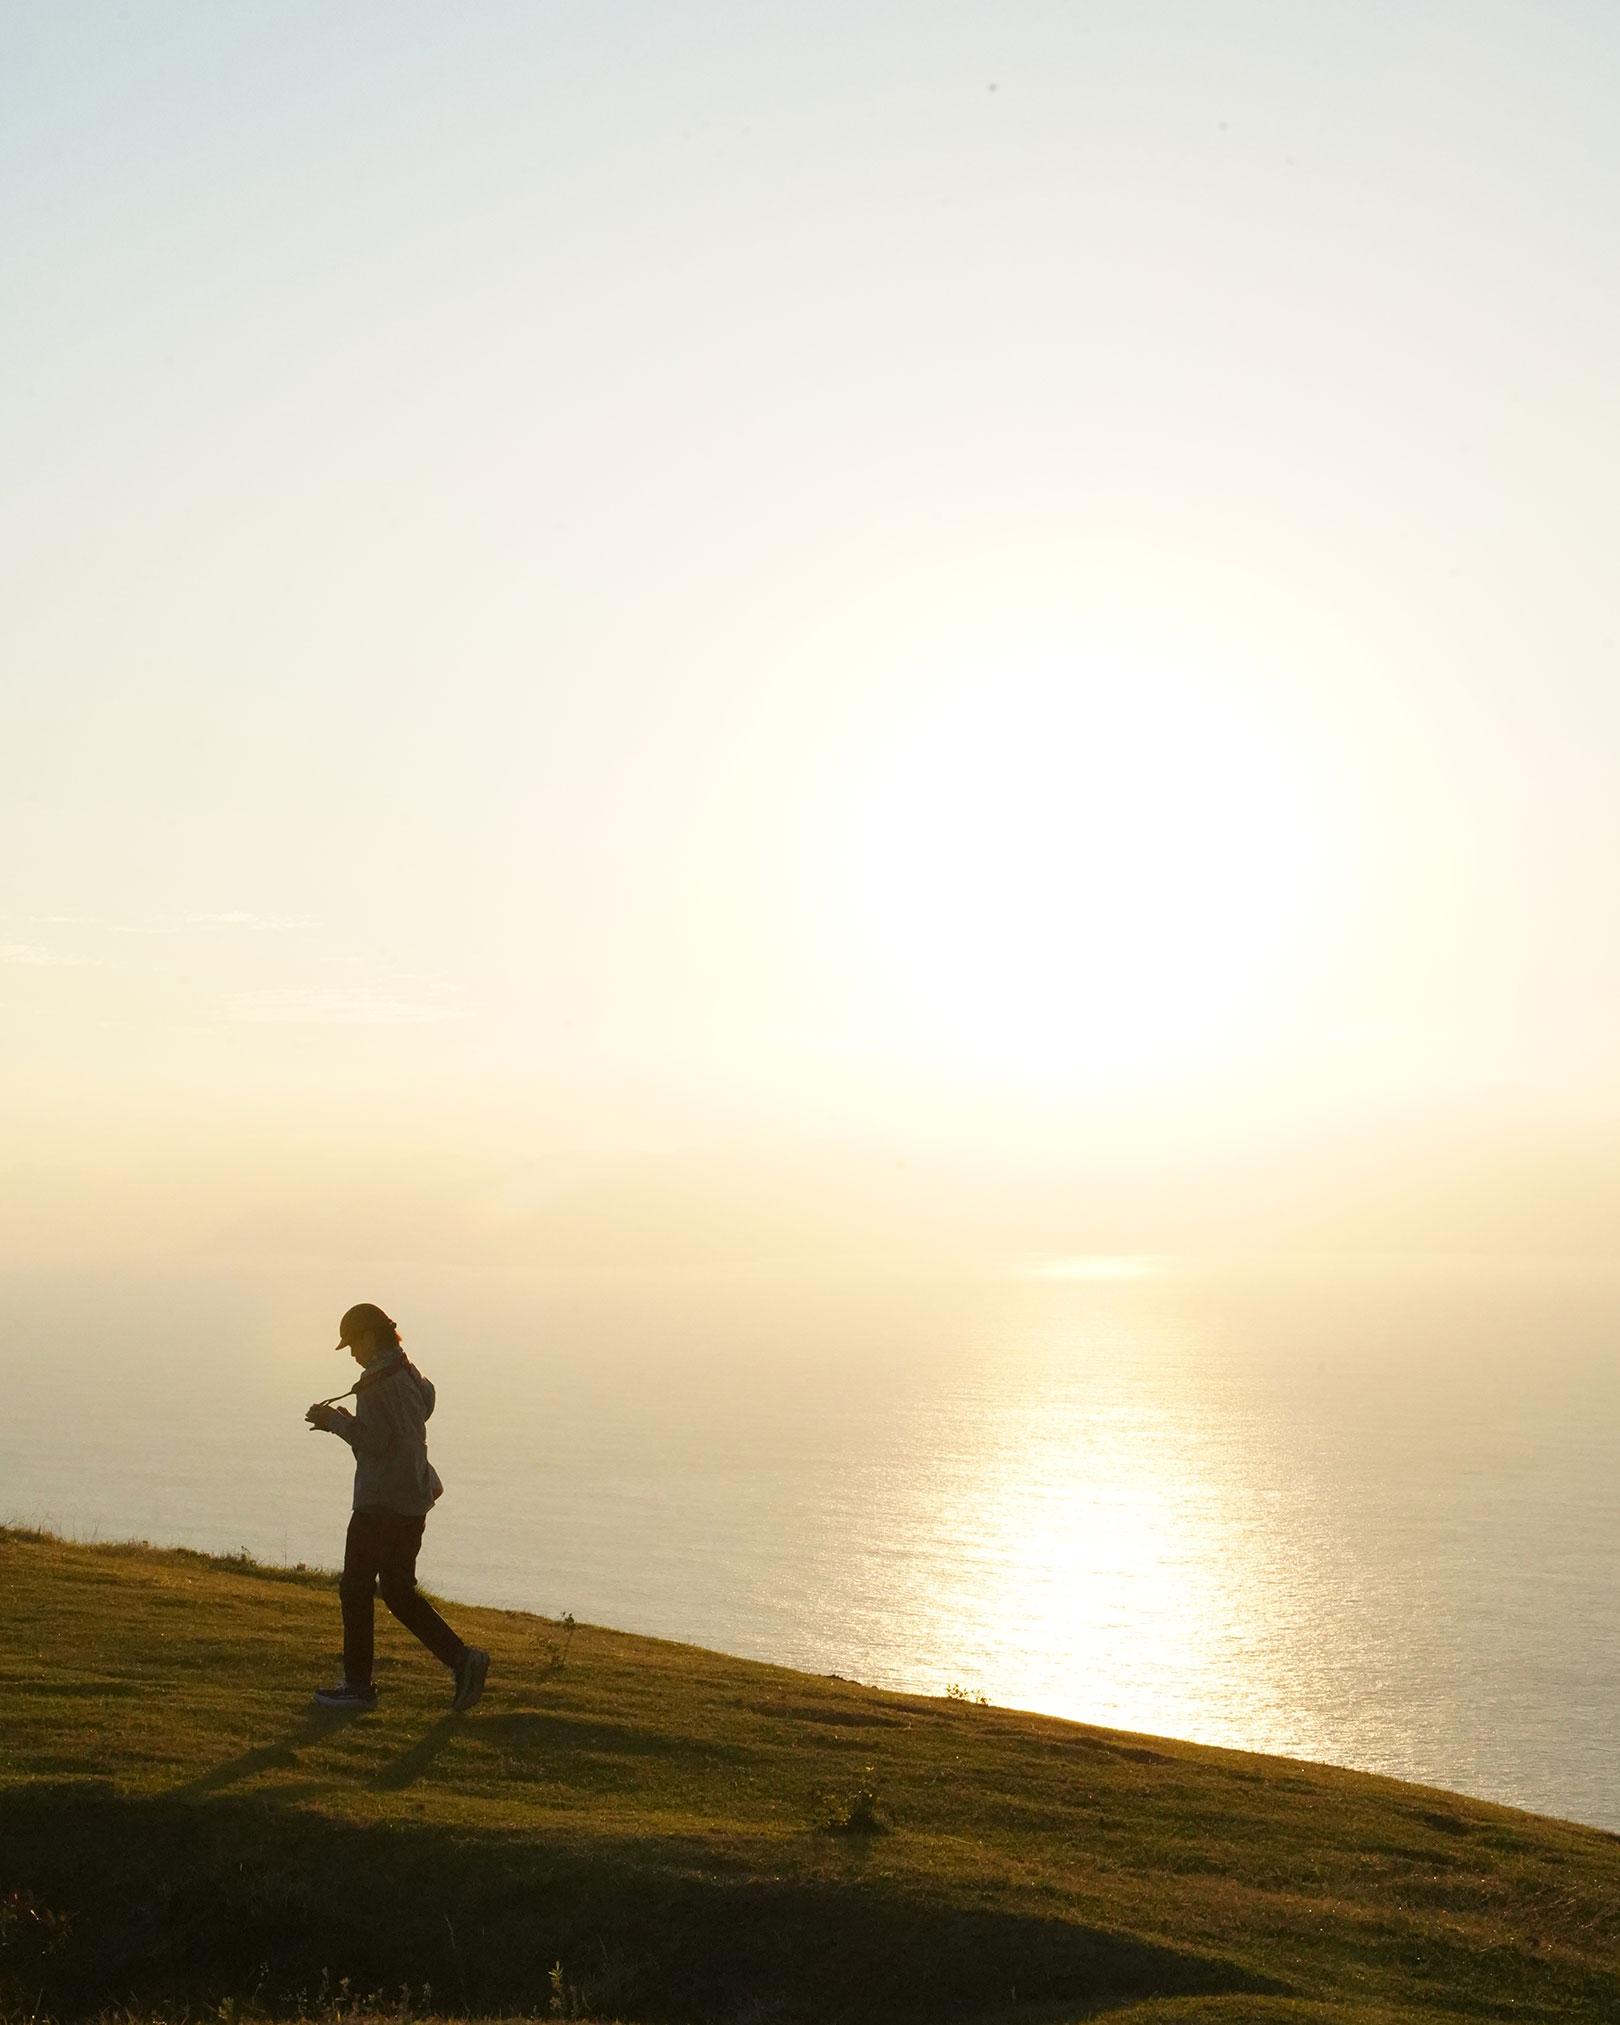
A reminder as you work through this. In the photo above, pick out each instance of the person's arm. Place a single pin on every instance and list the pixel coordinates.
(370, 1434)
(370, 1429)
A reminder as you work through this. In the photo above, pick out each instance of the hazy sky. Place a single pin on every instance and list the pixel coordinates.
(676, 630)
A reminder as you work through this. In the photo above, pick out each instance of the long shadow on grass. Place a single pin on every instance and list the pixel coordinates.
(168, 1903)
(541, 1731)
(310, 1729)
(409, 1766)
(562, 1739)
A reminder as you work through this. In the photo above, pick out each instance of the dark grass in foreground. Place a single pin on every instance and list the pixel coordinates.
(659, 1833)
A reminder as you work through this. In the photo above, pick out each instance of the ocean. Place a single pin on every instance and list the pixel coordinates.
(1363, 1514)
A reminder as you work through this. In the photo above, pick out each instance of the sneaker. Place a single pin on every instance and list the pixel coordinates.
(470, 1671)
(346, 1696)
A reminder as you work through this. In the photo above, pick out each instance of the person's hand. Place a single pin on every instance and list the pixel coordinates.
(321, 1415)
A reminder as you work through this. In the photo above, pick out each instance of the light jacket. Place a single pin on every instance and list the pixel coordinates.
(388, 1433)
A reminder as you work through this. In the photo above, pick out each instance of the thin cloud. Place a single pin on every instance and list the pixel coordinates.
(317, 1007)
(32, 955)
(227, 917)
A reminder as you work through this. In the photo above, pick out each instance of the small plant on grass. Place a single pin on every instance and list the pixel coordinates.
(565, 1998)
(955, 1692)
(858, 1815)
(558, 1654)
(333, 2004)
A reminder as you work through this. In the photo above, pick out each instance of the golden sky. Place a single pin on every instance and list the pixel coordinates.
(666, 634)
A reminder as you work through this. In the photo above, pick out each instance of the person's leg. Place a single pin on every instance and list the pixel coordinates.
(397, 1568)
(362, 1560)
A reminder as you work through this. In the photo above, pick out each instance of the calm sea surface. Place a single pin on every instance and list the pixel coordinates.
(1369, 1518)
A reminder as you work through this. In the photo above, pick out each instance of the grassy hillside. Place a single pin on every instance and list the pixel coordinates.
(652, 1832)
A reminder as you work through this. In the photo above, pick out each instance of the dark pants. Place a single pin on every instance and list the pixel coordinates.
(381, 1551)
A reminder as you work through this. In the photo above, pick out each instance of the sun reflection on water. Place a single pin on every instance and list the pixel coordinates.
(1070, 1547)
(1121, 1515)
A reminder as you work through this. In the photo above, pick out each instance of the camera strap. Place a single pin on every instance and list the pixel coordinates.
(372, 1375)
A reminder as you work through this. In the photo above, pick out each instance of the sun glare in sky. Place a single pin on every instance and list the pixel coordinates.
(1078, 864)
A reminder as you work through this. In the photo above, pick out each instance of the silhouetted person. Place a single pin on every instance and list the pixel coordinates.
(395, 1487)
